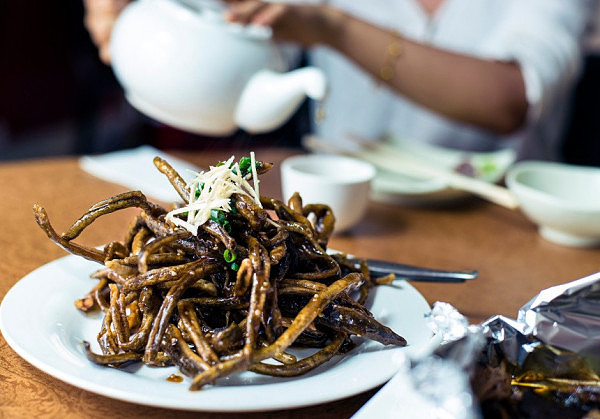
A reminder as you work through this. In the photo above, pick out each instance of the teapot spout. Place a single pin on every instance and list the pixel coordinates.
(269, 99)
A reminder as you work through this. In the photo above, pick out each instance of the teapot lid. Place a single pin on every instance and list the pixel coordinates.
(213, 10)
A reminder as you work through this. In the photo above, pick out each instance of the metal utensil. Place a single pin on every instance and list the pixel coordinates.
(416, 273)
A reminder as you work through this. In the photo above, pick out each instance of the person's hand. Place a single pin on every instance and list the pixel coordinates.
(305, 24)
(100, 16)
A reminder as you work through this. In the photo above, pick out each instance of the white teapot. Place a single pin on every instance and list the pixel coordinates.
(180, 63)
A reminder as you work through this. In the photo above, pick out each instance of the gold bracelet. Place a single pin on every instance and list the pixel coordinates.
(393, 51)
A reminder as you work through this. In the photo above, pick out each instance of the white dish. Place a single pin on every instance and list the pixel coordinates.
(38, 320)
(561, 199)
(391, 187)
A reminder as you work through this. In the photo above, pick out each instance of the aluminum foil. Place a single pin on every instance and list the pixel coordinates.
(565, 316)
(438, 382)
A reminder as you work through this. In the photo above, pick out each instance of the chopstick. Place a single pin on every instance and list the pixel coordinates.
(416, 273)
(388, 158)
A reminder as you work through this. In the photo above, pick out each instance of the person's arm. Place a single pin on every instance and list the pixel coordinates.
(100, 16)
(488, 94)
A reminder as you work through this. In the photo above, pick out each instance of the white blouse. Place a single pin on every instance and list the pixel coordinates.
(542, 36)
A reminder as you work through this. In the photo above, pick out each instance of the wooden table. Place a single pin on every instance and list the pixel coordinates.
(514, 263)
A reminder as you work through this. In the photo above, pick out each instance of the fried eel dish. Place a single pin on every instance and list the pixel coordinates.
(223, 283)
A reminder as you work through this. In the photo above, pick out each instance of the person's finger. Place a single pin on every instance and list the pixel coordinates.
(104, 54)
(99, 19)
(244, 12)
(269, 16)
(98, 29)
(112, 7)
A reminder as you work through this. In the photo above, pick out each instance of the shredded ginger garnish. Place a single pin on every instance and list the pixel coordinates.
(215, 188)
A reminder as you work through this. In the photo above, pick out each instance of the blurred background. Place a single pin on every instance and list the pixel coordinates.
(58, 98)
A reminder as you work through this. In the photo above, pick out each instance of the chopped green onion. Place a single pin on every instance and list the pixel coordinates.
(235, 266)
(229, 256)
(232, 207)
(245, 163)
(218, 216)
(227, 226)
(199, 188)
(489, 167)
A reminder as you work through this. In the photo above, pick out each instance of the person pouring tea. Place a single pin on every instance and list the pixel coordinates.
(472, 75)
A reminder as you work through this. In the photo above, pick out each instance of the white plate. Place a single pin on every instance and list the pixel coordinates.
(395, 188)
(39, 321)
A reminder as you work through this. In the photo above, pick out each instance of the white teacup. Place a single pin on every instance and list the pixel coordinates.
(341, 182)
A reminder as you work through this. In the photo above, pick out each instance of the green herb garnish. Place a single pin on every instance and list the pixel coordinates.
(229, 256)
(220, 217)
(245, 163)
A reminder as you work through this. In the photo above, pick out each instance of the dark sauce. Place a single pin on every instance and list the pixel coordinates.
(174, 378)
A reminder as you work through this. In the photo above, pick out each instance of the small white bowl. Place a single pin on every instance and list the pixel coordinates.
(564, 200)
(341, 182)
